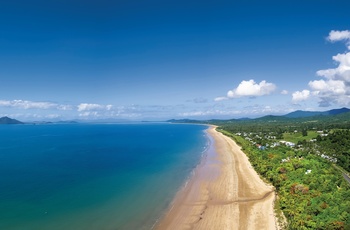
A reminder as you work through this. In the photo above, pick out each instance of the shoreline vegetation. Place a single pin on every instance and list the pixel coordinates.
(312, 194)
(224, 193)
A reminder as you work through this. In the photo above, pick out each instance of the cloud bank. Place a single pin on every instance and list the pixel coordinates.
(22, 104)
(334, 88)
(49, 110)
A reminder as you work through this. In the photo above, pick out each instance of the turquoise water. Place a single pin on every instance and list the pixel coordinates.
(93, 176)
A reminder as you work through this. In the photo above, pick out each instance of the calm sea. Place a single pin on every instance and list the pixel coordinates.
(93, 176)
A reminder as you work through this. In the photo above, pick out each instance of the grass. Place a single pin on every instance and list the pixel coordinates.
(295, 137)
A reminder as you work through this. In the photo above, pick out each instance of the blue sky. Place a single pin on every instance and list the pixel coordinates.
(158, 60)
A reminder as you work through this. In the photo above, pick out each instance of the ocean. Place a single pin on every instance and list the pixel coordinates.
(94, 176)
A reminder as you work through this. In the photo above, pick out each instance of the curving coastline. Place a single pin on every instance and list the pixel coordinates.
(224, 193)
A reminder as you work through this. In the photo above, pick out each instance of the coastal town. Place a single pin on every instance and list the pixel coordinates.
(309, 169)
(264, 141)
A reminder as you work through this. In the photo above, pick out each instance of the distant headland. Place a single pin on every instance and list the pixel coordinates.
(9, 121)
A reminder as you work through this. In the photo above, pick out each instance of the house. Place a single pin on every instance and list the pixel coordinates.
(288, 143)
(285, 160)
(261, 147)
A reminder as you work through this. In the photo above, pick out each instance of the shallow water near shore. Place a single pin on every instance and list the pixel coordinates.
(94, 176)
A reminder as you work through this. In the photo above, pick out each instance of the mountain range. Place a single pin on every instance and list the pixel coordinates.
(300, 113)
(293, 115)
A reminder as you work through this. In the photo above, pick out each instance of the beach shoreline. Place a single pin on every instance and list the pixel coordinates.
(223, 193)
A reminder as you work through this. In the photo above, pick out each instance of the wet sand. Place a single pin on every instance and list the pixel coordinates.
(224, 193)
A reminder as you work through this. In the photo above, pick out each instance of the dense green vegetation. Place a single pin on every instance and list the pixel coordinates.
(337, 144)
(312, 194)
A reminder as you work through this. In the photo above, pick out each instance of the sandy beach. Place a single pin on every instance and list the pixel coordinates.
(224, 193)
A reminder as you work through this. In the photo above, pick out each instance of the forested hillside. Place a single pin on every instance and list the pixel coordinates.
(337, 144)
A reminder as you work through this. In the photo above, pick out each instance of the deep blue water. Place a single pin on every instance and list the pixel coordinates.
(93, 176)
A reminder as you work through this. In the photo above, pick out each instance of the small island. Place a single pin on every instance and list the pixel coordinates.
(9, 121)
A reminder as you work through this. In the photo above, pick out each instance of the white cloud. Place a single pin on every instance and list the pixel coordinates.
(300, 95)
(336, 35)
(89, 114)
(86, 106)
(31, 116)
(65, 107)
(27, 105)
(21, 104)
(220, 98)
(89, 107)
(322, 87)
(341, 72)
(334, 88)
(33, 105)
(284, 92)
(251, 89)
(84, 110)
(5, 103)
(98, 111)
(52, 116)
(213, 112)
(331, 92)
(24, 104)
